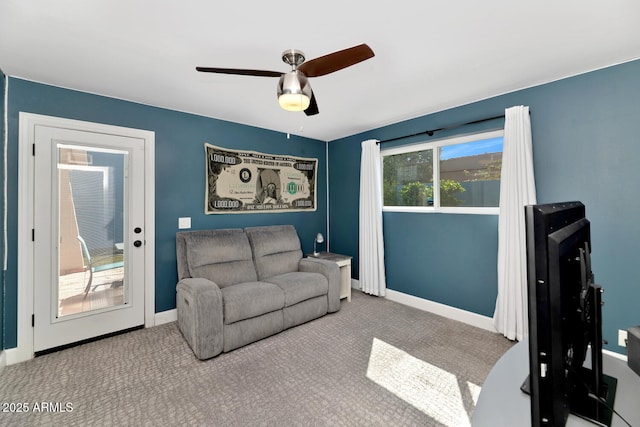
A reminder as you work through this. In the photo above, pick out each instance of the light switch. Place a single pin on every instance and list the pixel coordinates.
(184, 222)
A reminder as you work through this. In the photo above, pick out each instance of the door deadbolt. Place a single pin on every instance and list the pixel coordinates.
(137, 230)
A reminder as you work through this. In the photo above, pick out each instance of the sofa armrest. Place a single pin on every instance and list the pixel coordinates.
(200, 316)
(331, 271)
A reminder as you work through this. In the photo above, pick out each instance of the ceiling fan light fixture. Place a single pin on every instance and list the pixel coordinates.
(294, 101)
(294, 91)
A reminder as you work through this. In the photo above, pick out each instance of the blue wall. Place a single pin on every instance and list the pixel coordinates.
(2, 95)
(180, 173)
(586, 143)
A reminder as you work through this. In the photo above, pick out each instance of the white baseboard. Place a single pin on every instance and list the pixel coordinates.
(473, 319)
(166, 317)
(13, 356)
(3, 360)
(616, 355)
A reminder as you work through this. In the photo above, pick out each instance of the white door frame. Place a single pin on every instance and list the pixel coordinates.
(26, 139)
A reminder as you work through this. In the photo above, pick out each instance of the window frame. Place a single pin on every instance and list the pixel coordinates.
(435, 147)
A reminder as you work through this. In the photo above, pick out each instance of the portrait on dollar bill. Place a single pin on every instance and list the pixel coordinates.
(240, 181)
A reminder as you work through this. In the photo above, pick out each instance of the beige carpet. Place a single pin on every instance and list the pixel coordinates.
(373, 363)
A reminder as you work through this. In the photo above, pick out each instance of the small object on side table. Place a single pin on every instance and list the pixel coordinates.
(344, 262)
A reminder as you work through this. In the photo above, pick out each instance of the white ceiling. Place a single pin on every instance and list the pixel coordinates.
(430, 55)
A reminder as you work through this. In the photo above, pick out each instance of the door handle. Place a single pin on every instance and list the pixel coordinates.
(137, 243)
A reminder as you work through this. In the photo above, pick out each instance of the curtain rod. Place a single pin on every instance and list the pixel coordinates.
(432, 131)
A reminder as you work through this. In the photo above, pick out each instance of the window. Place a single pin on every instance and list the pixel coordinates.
(460, 175)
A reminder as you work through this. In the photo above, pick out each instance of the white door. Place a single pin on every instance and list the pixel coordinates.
(89, 276)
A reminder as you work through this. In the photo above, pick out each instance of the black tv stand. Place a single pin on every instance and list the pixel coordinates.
(592, 408)
(588, 406)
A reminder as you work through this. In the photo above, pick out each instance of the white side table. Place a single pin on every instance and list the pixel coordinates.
(344, 263)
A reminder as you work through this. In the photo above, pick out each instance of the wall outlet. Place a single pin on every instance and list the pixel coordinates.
(184, 222)
(622, 338)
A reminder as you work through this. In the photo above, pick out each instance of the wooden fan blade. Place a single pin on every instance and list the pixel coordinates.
(312, 109)
(240, 72)
(336, 61)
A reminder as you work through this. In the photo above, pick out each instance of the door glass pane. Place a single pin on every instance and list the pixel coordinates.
(91, 258)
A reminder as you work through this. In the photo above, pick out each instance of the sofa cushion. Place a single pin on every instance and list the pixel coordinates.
(250, 299)
(276, 249)
(222, 256)
(299, 287)
(304, 311)
(250, 330)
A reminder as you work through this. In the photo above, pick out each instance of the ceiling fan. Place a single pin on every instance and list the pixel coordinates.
(294, 91)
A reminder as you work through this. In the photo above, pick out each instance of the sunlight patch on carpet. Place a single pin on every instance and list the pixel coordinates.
(426, 387)
(475, 392)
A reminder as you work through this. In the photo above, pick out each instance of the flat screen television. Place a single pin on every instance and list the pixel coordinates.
(564, 319)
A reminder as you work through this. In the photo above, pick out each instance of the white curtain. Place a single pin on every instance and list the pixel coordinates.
(517, 189)
(371, 271)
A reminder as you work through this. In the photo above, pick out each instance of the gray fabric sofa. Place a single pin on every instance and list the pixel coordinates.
(238, 286)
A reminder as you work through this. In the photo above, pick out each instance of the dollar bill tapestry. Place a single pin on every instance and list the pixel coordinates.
(250, 182)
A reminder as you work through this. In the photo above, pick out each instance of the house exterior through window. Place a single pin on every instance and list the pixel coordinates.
(456, 175)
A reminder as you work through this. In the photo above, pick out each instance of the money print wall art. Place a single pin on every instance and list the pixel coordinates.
(252, 182)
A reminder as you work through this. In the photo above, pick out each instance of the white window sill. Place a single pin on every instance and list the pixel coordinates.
(427, 209)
